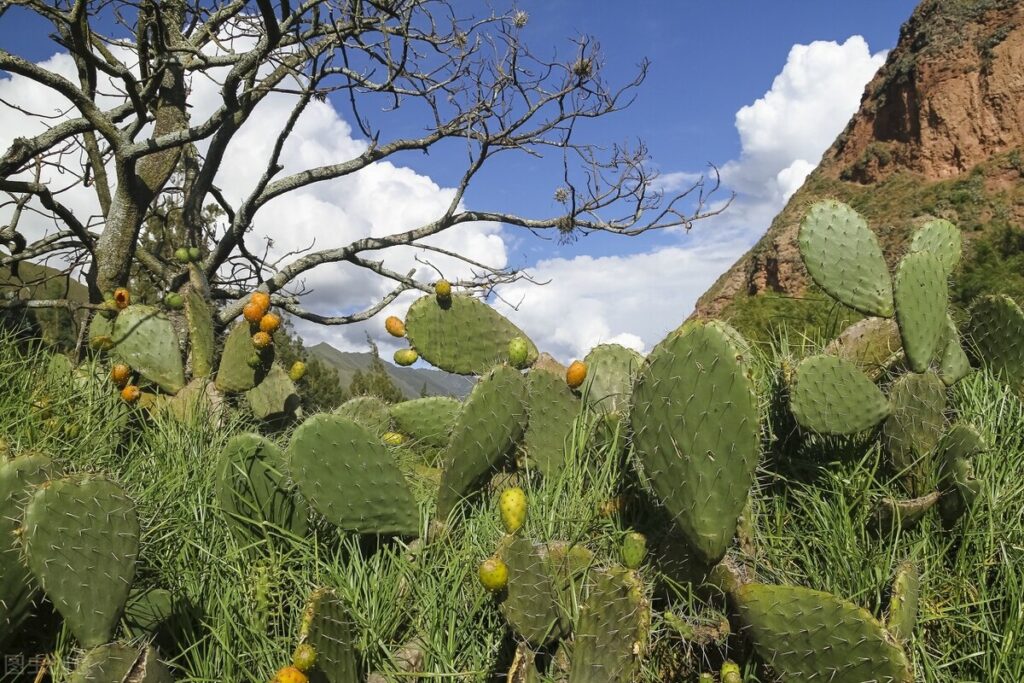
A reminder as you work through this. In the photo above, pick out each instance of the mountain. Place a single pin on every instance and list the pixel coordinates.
(939, 133)
(410, 380)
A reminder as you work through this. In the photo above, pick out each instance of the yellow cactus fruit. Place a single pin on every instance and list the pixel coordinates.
(304, 657)
(443, 289)
(252, 312)
(120, 374)
(575, 375)
(131, 393)
(290, 674)
(512, 505)
(261, 299)
(122, 297)
(394, 326)
(262, 340)
(493, 573)
(393, 439)
(270, 322)
(297, 371)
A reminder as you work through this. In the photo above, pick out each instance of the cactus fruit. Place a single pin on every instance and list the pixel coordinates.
(369, 411)
(696, 430)
(328, 629)
(181, 255)
(394, 326)
(119, 663)
(915, 425)
(262, 340)
(297, 371)
(612, 628)
(531, 606)
(234, 374)
(130, 393)
(275, 397)
(201, 336)
(393, 439)
(997, 334)
(427, 420)
(942, 239)
(705, 678)
(832, 396)
(552, 408)
(805, 634)
(843, 257)
(634, 549)
(270, 323)
(174, 301)
(290, 674)
(82, 540)
(120, 374)
(612, 369)
(304, 657)
(493, 574)
(920, 296)
(906, 589)
(101, 333)
(262, 300)
(365, 491)
(406, 357)
(443, 289)
(518, 352)
(731, 673)
(512, 505)
(145, 339)
(576, 374)
(194, 254)
(122, 298)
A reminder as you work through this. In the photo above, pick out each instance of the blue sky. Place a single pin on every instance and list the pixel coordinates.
(726, 86)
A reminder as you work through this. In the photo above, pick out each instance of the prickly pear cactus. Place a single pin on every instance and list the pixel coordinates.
(953, 363)
(82, 540)
(119, 663)
(915, 425)
(236, 373)
(806, 635)
(843, 257)
(997, 336)
(200, 334)
(920, 296)
(906, 589)
(958, 487)
(832, 396)
(145, 339)
(531, 605)
(369, 411)
(891, 514)
(275, 397)
(612, 628)
(326, 626)
(940, 238)
(871, 343)
(348, 476)
(696, 427)
(611, 370)
(464, 335)
(428, 421)
(552, 409)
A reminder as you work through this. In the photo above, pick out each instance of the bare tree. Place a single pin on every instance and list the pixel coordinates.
(130, 128)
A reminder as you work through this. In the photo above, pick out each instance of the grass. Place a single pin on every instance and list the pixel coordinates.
(239, 602)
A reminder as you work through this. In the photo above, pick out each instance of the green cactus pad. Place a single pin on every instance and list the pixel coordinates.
(807, 635)
(147, 609)
(326, 626)
(464, 336)
(612, 627)
(921, 295)
(347, 474)
(101, 332)
(843, 257)
(915, 425)
(493, 418)
(696, 430)
(906, 590)
(940, 238)
(997, 337)
(145, 339)
(531, 604)
(119, 663)
(82, 541)
(552, 409)
(235, 374)
(871, 343)
(953, 362)
(252, 490)
(368, 411)
(428, 421)
(200, 334)
(275, 397)
(955, 455)
(832, 396)
(611, 370)
(18, 477)
(891, 514)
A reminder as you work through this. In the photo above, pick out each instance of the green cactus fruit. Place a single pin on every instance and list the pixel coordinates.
(705, 678)
(613, 624)
(181, 255)
(174, 301)
(202, 345)
(906, 589)
(843, 257)
(871, 343)
(428, 421)
(252, 490)
(347, 474)
(696, 430)
(304, 657)
(958, 488)
(531, 604)
(552, 408)
(920, 294)
(145, 339)
(612, 369)
(915, 425)
(731, 672)
(18, 477)
(147, 609)
(952, 360)
(120, 663)
(330, 631)
(832, 396)
(634, 549)
(406, 357)
(518, 353)
(82, 540)
(235, 374)
(512, 506)
(101, 333)
(275, 398)
(891, 515)
(466, 337)
(996, 333)
(806, 635)
(194, 254)
(493, 418)
(493, 574)
(940, 238)
(368, 411)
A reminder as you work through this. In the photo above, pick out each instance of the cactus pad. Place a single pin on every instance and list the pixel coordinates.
(696, 429)
(552, 410)
(275, 397)
(368, 411)
(347, 474)
(807, 635)
(843, 257)
(118, 663)
(832, 396)
(613, 623)
(235, 374)
(891, 514)
(611, 369)
(429, 420)
(920, 295)
(940, 238)
(958, 488)
(997, 335)
(906, 589)
(953, 362)
(200, 334)
(871, 343)
(327, 626)
(915, 425)
(82, 541)
(464, 336)
(145, 339)
(531, 604)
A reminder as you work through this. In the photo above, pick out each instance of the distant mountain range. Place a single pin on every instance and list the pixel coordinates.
(411, 381)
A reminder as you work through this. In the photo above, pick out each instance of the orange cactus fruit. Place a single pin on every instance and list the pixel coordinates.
(120, 374)
(261, 299)
(270, 322)
(290, 674)
(122, 297)
(131, 393)
(262, 340)
(394, 326)
(576, 373)
(252, 312)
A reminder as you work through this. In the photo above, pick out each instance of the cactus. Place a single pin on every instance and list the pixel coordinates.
(612, 369)
(920, 295)
(957, 485)
(368, 411)
(552, 409)
(18, 477)
(997, 335)
(82, 540)
(235, 373)
(119, 663)
(906, 588)
(347, 475)
(940, 238)
(696, 431)
(148, 609)
(871, 343)
(327, 626)
(251, 489)
(200, 334)
(465, 336)
(915, 425)
(101, 333)
(275, 397)
(805, 634)
(531, 605)
(891, 514)
(612, 628)
(843, 257)
(145, 339)
(953, 362)
(429, 421)
(832, 396)
(493, 418)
